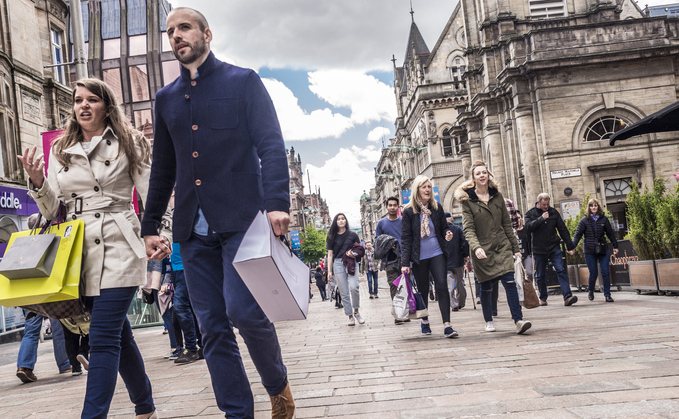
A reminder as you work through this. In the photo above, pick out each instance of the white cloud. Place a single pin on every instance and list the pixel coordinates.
(368, 98)
(378, 133)
(344, 177)
(318, 34)
(298, 125)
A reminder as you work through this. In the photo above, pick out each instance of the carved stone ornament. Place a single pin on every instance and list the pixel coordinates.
(432, 126)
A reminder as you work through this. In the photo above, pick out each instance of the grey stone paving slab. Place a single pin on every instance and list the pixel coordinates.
(584, 388)
(623, 410)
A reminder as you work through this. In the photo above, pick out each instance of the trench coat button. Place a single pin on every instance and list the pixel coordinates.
(107, 162)
(186, 97)
(195, 154)
(96, 189)
(66, 169)
(97, 241)
(198, 182)
(73, 195)
(97, 215)
(194, 127)
(74, 217)
(194, 83)
(108, 142)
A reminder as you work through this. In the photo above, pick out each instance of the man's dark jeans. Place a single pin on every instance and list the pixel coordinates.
(541, 266)
(182, 306)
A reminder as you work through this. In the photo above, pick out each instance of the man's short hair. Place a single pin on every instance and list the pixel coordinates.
(200, 18)
(392, 198)
(543, 197)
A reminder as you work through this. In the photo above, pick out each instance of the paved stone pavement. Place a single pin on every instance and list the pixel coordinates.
(591, 360)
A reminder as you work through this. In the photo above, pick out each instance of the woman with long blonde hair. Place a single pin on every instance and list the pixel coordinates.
(424, 231)
(93, 168)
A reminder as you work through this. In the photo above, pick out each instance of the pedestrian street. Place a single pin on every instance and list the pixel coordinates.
(591, 360)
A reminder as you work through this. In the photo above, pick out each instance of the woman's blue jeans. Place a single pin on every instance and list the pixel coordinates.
(512, 297)
(113, 350)
(603, 260)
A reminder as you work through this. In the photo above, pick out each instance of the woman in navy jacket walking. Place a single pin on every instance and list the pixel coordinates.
(594, 227)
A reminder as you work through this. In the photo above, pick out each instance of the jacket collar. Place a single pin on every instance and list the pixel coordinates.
(206, 68)
(78, 149)
(474, 197)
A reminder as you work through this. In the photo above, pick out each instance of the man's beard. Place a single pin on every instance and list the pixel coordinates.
(197, 50)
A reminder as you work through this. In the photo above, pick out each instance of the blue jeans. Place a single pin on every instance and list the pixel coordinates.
(540, 267)
(28, 351)
(112, 351)
(603, 260)
(222, 301)
(321, 290)
(512, 297)
(182, 307)
(348, 287)
(372, 282)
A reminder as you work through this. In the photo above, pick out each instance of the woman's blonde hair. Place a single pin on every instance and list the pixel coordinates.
(480, 163)
(415, 197)
(115, 118)
(589, 211)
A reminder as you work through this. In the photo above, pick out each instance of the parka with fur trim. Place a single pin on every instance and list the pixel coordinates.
(490, 228)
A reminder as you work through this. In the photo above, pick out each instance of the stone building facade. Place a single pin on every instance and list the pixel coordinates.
(546, 84)
(33, 97)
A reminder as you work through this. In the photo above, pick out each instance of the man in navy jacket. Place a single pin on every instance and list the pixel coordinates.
(217, 136)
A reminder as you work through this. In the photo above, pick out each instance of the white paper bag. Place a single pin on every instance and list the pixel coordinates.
(275, 276)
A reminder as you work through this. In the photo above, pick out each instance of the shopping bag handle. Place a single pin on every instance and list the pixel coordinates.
(286, 243)
(61, 218)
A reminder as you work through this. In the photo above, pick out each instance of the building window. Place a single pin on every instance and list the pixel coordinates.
(139, 81)
(294, 204)
(602, 128)
(617, 187)
(8, 95)
(137, 45)
(112, 78)
(296, 220)
(422, 159)
(110, 19)
(111, 49)
(143, 121)
(165, 44)
(4, 145)
(58, 56)
(171, 71)
(457, 70)
(542, 9)
(136, 17)
(447, 143)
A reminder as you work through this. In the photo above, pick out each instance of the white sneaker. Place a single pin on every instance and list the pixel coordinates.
(358, 317)
(352, 321)
(490, 327)
(522, 326)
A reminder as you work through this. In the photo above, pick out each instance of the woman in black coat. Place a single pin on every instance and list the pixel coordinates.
(424, 231)
(594, 227)
(320, 282)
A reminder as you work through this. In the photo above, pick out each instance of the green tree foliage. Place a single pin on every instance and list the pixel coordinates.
(668, 218)
(645, 232)
(313, 244)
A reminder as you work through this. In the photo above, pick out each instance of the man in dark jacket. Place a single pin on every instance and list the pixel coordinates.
(458, 254)
(543, 222)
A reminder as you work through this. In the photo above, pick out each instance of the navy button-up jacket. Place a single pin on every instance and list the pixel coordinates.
(218, 137)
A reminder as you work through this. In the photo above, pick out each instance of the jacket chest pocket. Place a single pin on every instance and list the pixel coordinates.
(223, 113)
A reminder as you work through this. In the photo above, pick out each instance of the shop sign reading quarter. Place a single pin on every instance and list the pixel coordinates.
(558, 174)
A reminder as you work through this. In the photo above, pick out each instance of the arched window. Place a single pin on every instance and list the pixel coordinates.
(603, 127)
(447, 143)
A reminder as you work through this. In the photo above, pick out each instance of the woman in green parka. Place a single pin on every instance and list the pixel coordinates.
(492, 243)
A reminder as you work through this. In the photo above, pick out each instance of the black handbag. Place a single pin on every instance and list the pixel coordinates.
(600, 248)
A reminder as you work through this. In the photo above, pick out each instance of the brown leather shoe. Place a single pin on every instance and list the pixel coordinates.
(282, 405)
(26, 375)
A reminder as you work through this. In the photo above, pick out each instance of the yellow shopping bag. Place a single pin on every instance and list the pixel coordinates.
(64, 280)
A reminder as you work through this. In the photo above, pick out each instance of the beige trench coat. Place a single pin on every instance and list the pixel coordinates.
(114, 255)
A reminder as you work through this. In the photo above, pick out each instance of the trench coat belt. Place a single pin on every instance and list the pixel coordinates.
(115, 210)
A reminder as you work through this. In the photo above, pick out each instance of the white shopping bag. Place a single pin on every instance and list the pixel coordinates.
(275, 276)
(519, 273)
(400, 308)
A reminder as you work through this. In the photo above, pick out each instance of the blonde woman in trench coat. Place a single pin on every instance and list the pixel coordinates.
(93, 168)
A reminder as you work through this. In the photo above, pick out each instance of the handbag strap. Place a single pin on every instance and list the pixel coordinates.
(523, 270)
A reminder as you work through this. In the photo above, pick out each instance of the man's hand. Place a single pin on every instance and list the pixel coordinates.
(615, 251)
(571, 252)
(480, 253)
(157, 247)
(449, 235)
(279, 222)
(545, 215)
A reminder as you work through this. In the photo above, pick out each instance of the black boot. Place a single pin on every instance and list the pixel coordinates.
(591, 295)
